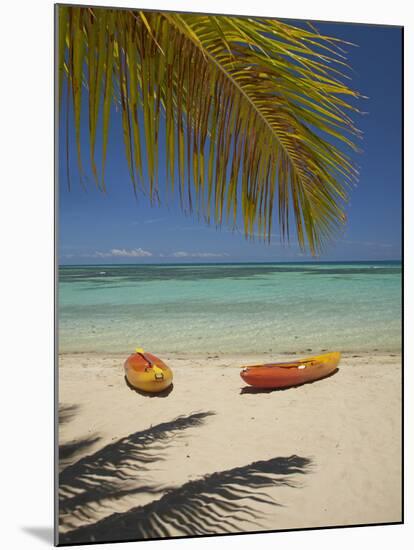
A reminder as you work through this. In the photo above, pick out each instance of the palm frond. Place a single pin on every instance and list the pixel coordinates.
(254, 111)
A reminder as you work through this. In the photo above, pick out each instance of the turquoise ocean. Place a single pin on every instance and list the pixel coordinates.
(230, 308)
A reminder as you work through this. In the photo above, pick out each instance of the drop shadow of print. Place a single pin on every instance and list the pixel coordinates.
(45, 534)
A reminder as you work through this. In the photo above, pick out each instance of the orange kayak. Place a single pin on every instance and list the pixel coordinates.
(147, 372)
(293, 373)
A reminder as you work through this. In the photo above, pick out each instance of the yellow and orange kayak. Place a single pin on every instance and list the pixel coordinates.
(293, 373)
(147, 372)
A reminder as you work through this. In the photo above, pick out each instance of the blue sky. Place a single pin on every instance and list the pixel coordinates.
(118, 228)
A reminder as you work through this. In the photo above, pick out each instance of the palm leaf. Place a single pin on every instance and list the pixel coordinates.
(255, 110)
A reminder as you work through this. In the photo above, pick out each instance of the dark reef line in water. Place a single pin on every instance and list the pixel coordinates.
(105, 275)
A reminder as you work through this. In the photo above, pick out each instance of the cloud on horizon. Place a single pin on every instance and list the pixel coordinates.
(123, 253)
(141, 253)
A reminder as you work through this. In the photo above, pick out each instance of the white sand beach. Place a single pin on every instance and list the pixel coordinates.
(126, 452)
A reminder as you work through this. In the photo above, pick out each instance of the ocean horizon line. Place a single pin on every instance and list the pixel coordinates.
(276, 262)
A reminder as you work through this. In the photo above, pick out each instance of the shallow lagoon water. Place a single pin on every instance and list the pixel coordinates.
(230, 308)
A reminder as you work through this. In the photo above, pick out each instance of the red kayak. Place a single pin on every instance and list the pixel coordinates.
(293, 373)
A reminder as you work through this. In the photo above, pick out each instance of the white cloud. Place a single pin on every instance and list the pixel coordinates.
(182, 254)
(124, 253)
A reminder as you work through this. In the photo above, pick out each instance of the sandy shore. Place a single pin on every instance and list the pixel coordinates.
(211, 458)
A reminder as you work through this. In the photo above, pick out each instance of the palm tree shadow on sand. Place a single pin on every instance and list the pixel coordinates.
(164, 393)
(69, 451)
(222, 502)
(252, 390)
(215, 504)
(67, 413)
(117, 470)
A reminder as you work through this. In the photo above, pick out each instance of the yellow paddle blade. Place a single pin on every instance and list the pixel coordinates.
(139, 350)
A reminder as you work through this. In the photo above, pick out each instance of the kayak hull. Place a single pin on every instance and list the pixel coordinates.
(141, 374)
(294, 373)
